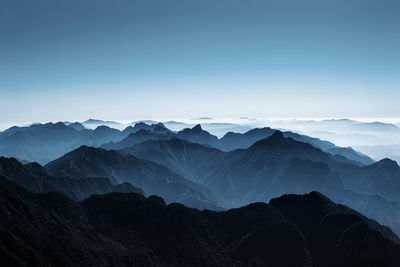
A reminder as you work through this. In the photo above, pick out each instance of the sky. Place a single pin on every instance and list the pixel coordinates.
(129, 60)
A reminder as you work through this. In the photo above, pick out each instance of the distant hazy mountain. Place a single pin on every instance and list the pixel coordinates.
(77, 126)
(379, 152)
(338, 125)
(151, 177)
(157, 128)
(41, 142)
(45, 142)
(36, 179)
(145, 122)
(92, 124)
(344, 132)
(177, 125)
(232, 141)
(221, 128)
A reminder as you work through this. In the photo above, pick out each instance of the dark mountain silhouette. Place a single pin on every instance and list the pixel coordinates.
(35, 178)
(151, 177)
(328, 227)
(120, 229)
(278, 165)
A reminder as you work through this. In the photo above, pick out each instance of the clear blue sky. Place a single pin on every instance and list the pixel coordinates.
(75, 59)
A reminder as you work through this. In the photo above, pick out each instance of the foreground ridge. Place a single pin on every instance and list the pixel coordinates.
(126, 229)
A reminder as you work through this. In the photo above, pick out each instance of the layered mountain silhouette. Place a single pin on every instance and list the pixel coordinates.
(148, 196)
(238, 173)
(127, 229)
(278, 165)
(232, 141)
(45, 142)
(151, 177)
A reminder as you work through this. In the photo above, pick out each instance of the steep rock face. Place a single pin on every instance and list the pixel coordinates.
(36, 179)
(151, 177)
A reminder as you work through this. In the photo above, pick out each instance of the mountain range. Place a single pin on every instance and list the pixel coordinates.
(278, 165)
(154, 179)
(35, 178)
(150, 196)
(45, 142)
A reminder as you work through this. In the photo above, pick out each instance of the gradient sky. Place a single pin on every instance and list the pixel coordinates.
(126, 60)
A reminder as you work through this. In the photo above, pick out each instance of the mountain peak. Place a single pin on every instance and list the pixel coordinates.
(102, 128)
(77, 126)
(159, 127)
(93, 121)
(277, 135)
(387, 163)
(140, 124)
(197, 128)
